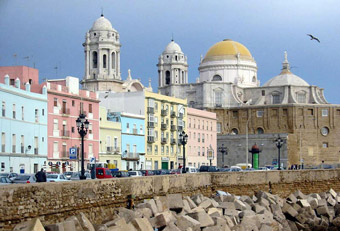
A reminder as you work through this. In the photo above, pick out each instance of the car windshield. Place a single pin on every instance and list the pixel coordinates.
(4, 174)
(132, 173)
(52, 176)
(5, 180)
(22, 177)
(68, 173)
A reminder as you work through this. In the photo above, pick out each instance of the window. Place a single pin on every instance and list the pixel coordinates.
(167, 150)
(36, 115)
(141, 129)
(235, 114)
(3, 142)
(219, 128)
(234, 131)
(72, 129)
(274, 112)
(301, 97)
(194, 135)
(162, 149)
(55, 124)
(156, 106)
(115, 142)
(167, 77)
(14, 114)
(199, 124)
(217, 78)
(14, 143)
(81, 107)
(104, 61)
(36, 145)
(276, 99)
(55, 102)
(189, 122)
(94, 59)
(260, 131)
(156, 149)
(199, 151)
(218, 99)
(259, 113)
(73, 103)
(90, 108)
(203, 151)
(156, 164)
(202, 138)
(3, 109)
(194, 123)
(199, 137)
(90, 149)
(22, 144)
(12, 82)
(263, 92)
(90, 128)
(42, 112)
(324, 112)
(149, 148)
(113, 56)
(310, 112)
(127, 127)
(325, 145)
(285, 112)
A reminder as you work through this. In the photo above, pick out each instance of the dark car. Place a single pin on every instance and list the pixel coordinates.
(25, 179)
(5, 180)
(10, 175)
(205, 168)
(162, 172)
(120, 174)
(147, 172)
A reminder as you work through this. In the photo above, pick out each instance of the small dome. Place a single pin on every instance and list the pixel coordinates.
(102, 24)
(225, 48)
(173, 47)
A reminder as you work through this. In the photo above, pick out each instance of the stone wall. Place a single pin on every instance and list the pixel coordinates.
(53, 202)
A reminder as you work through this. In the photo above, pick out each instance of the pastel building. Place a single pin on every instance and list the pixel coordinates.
(66, 102)
(23, 125)
(202, 138)
(24, 73)
(110, 138)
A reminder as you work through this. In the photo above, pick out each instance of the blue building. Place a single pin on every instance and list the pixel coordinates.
(23, 125)
(133, 141)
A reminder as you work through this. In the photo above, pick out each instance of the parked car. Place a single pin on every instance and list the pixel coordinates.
(135, 173)
(68, 175)
(190, 170)
(120, 174)
(224, 170)
(5, 180)
(162, 172)
(175, 171)
(55, 177)
(206, 168)
(10, 175)
(147, 172)
(76, 176)
(25, 179)
(235, 169)
(102, 173)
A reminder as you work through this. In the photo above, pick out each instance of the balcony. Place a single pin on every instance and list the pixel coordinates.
(130, 156)
(164, 126)
(109, 149)
(164, 140)
(151, 139)
(180, 128)
(65, 133)
(180, 115)
(135, 131)
(3, 148)
(173, 141)
(14, 148)
(151, 110)
(151, 124)
(173, 128)
(65, 111)
(173, 114)
(36, 151)
(218, 105)
(164, 112)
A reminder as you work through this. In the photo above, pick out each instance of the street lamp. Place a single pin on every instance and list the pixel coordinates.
(183, 138)
(83, 126)
(279, 142)
(223, 150)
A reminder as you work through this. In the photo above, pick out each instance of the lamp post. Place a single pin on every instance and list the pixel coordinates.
(279, 142)
(83, 126)
(223, 150)
(183, 139)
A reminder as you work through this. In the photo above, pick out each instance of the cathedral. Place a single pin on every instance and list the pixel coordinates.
(285, 106)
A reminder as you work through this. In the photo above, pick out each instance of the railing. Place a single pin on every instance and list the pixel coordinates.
(65, 111)
(173, 141)
(36, 151)
(130, 156)
(164, 140)
(3, 148)
(218, 105)
(135, 131)
(151, 110)
(173, 127)
(164, 112)
(151, 124)
(173, 114)
(151, 139)
(164, 126)
(65, 133)
(14, 148)
(109, 149)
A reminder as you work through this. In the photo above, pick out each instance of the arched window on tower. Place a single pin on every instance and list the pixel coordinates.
(104, 61)
(167, 77)
(94, 59)
(217, 78)
(113, 55)
(183, 77)
(254, 79)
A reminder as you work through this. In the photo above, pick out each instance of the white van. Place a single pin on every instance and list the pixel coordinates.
(191, 169)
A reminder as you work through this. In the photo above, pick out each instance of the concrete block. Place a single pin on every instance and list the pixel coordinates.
(333, 193)
(292, 226)
(127, 214)
(303, 203)
(163, 219)
(197, 199)
(265, 218)
(145, 212)
(151, 204)
(232, 213)
(239, 205)
(31, 225)
(230, 222)
(227, 205)
(246, 213)
(85, 223)
(185, 222)
(299, 195)
(159, 205)
(213, 228)
(171, 227)
(205, 204)
(251, 223)
(175, 201)
(287, 209)
(336, 222)
(258, 208)
(186, 206)
(75, 221)
(191, 202)
(331, 201)
(219, 221)
(292, 198)
(265, 228)
(203, 218)
(214, 203)
(239, 227)
(142, 224)
(314, 203)
(215, 212)
(164, 201)
(120, 222)
(322, 211)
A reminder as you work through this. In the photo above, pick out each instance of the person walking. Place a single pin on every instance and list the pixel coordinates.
(41, 176)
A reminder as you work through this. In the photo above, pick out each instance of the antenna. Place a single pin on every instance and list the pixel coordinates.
(56, 70)
(172, 36)
(15, 58)
(27, 59)
(102, 14)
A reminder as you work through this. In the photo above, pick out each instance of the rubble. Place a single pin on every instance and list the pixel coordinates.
(221, 212)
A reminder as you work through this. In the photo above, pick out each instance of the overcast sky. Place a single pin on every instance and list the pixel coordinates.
(51, 33)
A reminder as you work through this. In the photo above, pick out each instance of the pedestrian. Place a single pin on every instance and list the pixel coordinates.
(41, 176)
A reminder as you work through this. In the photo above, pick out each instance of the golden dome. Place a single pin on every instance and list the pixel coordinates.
(226, 48)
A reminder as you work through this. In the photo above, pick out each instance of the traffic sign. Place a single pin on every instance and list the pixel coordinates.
(73, 153)
(93, 160)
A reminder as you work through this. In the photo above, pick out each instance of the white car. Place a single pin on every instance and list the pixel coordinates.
(135, 173)
(55, 178)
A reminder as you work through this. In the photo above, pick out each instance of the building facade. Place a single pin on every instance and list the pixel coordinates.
(23, 125)
(66, 103)
(110, 138)
(202, 140)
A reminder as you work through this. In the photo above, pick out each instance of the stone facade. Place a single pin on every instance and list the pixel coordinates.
(53, 202)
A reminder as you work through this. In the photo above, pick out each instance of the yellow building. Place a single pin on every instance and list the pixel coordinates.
(165, 118)
(110, 138)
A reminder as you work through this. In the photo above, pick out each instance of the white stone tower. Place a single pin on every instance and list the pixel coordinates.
(102, 57)
(172, 66)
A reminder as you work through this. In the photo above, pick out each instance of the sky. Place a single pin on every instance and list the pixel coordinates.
(51, 33)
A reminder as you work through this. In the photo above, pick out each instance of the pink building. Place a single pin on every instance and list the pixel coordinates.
(202, 140)
(24, 73)
(65, 102)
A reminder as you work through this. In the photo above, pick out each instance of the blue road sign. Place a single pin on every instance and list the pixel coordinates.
(73, 153)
